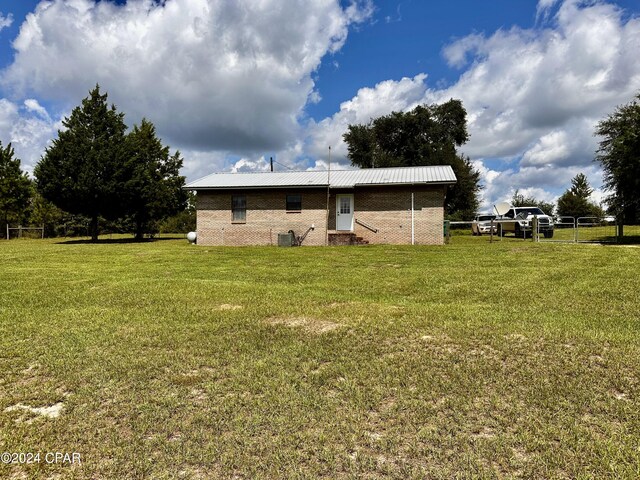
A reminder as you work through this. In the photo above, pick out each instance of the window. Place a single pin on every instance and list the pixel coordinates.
(294, 203)
(239, 208)
(345, 205)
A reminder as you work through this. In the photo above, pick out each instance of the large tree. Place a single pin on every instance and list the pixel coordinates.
(154, 187)
(619, 155)
(15, 188)
(83, 171)
(426, 135)
(575, 201)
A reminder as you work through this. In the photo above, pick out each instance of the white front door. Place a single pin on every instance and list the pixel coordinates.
(344, 212)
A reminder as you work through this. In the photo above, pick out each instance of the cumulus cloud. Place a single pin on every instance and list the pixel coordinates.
(368, 103)
(27, 129)
(227, 81)
(210, 75)
(533, 96)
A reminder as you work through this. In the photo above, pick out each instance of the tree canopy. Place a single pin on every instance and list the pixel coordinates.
(83, 171)
(426, 135)
(619, 155)
(154, 188)
(94, 168)
(574, 202)
(15, 188)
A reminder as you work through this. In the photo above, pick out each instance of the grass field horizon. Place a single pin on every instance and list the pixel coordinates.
(471, 360)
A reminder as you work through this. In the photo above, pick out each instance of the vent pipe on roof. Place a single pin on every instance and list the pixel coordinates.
(271, 160)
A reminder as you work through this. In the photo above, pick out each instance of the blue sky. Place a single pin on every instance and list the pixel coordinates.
(232, 83)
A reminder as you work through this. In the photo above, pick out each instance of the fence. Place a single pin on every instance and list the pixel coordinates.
(593, 230)
(566, 229)
(22, 230)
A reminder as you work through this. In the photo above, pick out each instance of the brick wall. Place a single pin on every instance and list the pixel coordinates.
(266, 217)
(387, 209)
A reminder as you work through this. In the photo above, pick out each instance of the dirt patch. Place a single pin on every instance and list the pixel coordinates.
(484, 432)
(308, 324)
(52, 411)
(618, 395)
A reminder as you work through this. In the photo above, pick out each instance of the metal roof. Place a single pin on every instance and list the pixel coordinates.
(440, 174)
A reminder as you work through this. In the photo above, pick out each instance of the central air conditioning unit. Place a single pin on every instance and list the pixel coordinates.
(285, 239)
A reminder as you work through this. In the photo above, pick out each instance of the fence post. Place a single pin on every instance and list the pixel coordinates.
(7, 231)
(534, 229)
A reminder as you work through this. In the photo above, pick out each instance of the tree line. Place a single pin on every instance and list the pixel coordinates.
(431, 134)
(96, 172)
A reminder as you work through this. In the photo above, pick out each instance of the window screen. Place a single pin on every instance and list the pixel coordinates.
(294, 202)
(239, 208)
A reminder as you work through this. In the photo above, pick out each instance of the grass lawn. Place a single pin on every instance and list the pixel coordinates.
(472, 360)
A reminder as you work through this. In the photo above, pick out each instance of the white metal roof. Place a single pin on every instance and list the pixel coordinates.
(440, 174)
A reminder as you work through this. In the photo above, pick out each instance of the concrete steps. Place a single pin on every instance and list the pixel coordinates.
(346, 238)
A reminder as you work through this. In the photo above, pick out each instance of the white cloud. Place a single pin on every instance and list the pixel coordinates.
(544, 7)
(210, 75)
(29, 131)
(533, 96)
(247, 165)
(34, 106)
(5, 21)
(368, 103)
(227, 81)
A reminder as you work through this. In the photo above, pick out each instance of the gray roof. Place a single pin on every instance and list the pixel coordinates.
(441, 174)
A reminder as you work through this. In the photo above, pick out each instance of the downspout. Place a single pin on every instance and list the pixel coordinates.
(326, 230)
(413, 222)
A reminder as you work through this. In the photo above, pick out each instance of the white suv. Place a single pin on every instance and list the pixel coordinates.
(482, 224)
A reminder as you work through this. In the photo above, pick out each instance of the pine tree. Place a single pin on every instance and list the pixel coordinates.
(84, 169)
(15, 188)
(575, 201)
(154, 188)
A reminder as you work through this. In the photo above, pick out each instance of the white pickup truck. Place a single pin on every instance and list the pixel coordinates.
(519, 221)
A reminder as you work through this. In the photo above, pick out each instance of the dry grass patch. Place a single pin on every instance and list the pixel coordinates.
(228, 306)
(312, 325)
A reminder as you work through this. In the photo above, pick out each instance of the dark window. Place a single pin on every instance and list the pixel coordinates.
(294, 203)
(238, 208)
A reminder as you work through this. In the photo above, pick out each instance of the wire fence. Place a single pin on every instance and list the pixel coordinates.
(565, 229)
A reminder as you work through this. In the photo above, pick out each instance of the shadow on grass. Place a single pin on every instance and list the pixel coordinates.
(611, 240)
(630, 240)
(105, 241)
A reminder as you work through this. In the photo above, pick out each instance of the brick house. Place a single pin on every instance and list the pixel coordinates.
(378, 205)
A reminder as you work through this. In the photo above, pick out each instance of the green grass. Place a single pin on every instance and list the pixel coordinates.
(471, 360)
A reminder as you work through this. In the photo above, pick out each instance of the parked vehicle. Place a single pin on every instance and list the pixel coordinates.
(482, 224)
(519, 221)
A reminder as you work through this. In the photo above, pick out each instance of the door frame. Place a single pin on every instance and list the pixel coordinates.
(338, 214)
